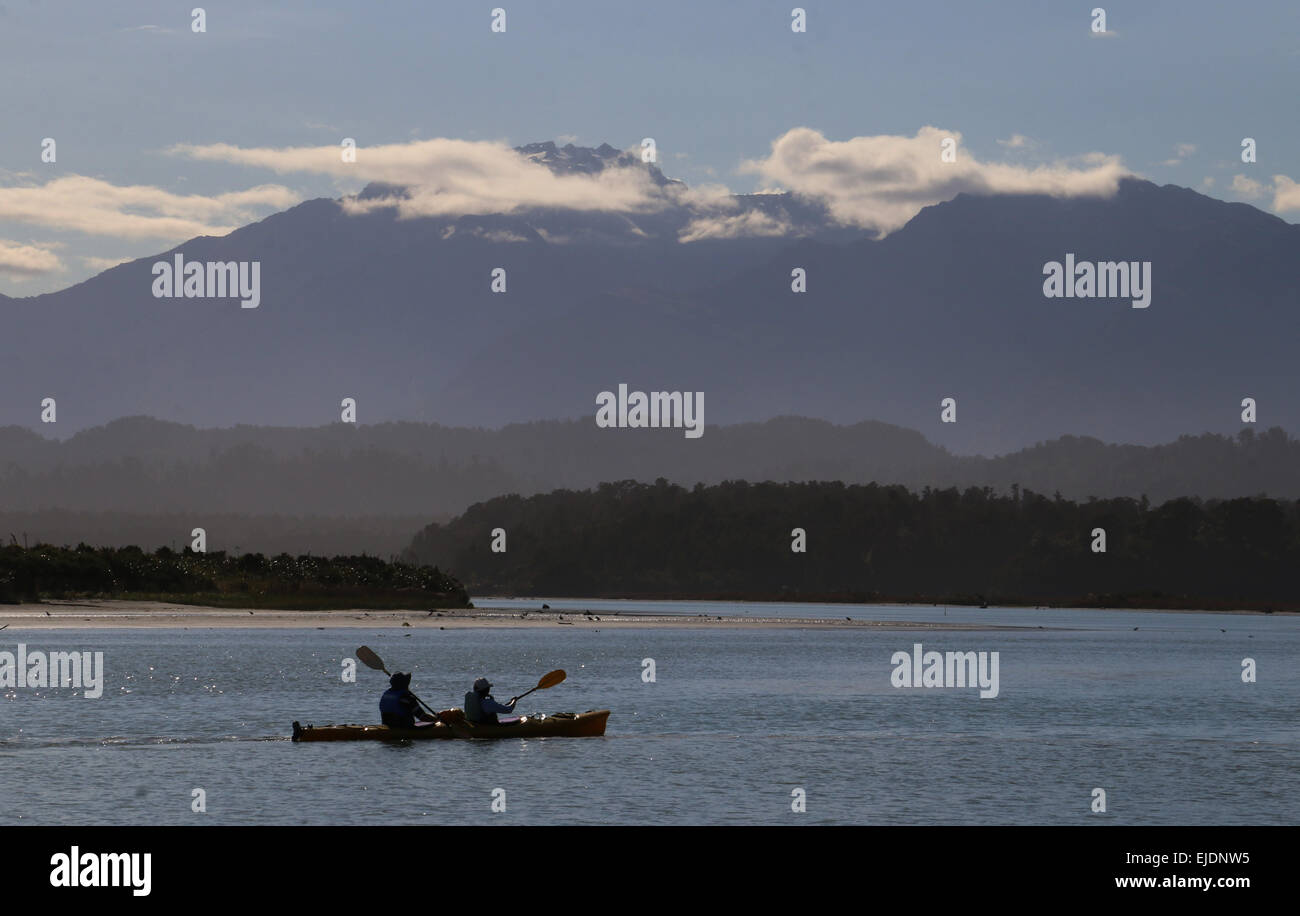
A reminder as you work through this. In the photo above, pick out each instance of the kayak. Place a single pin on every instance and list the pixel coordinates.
(589, 724)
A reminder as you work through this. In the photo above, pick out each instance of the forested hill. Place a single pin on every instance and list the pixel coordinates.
(874, 543)
(140, 465)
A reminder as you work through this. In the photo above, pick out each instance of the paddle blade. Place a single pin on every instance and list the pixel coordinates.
(550, 680)
(370, 659)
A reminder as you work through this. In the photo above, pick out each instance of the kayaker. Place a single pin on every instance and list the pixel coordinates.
(398, 707)
(480, 708)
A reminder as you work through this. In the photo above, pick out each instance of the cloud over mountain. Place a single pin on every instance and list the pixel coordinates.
(445, 177)
(1286, 194)
(870, 182)
(880, 182)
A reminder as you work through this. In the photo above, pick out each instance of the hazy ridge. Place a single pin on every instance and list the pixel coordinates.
(344, 488)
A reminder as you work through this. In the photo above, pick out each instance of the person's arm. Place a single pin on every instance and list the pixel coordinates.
(490, 705)
(412, 705)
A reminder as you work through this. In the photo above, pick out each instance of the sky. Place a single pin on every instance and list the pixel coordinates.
(163, 133)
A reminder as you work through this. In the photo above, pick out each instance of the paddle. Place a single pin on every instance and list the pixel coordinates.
(548, 680)
(372, 660)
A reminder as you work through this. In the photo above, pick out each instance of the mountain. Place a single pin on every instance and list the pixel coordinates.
(398, 314)
(581, 160)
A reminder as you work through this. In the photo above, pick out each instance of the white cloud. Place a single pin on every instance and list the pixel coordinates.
(1247, 187)
(498, 235)
(21, 261)
(1016, 141)
(1285, 191)
(706, 197)
(96, 207)
(881, 182)
(452, 177)
(741, 225)
(1286, 194)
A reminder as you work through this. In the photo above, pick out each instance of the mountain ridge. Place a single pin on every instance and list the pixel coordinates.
(142, 464)
(399, 314)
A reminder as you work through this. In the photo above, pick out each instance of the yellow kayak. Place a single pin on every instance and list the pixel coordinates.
(589, 724)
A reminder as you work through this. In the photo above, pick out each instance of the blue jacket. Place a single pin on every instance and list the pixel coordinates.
(397, 708)
(483, 710)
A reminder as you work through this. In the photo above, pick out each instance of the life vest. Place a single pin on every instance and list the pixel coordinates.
(395, 710)
(474, 711)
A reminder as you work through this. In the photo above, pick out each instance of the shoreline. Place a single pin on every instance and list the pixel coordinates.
(883, 603)
(1137, 609)
(94, 614)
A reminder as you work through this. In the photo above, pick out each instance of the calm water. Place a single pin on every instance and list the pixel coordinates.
(1158, 717)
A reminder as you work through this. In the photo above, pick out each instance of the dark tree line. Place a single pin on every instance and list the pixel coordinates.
(249, 580)
(875, 543)
(375, 535)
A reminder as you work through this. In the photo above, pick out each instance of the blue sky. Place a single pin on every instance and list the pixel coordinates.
(1170, 93)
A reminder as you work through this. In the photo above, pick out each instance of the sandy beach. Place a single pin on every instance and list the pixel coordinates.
(111, 614)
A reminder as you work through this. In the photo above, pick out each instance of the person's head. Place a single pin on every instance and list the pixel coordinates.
(482, 686)
(400, 681)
